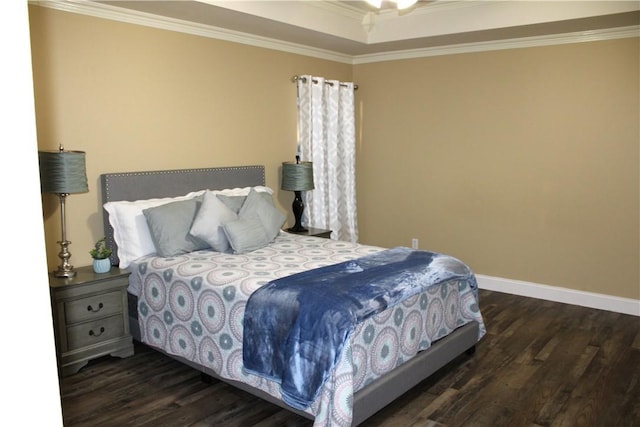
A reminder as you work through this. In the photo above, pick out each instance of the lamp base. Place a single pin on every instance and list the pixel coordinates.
(60, 272)
(298, 208)
(65, 269)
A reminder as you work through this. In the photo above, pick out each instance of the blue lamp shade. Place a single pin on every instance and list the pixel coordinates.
(63, 172)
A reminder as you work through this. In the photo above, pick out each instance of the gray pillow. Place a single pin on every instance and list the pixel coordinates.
(207, 224)
(258, 205)
(235, 203)
(169, 226)
(246, 234)
(258, 223)
(232, 202)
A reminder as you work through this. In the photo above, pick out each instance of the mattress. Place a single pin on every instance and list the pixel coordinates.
(192, 306)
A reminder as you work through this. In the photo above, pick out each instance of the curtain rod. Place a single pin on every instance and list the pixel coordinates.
(304, 80)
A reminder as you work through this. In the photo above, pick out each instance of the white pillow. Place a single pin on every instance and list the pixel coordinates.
(130, 230)
(242, 191)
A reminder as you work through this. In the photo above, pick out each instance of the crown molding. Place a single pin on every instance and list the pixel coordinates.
(519, 43)
(129, 16)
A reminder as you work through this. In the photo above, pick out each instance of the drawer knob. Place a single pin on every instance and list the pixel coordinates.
(90, 308)
(93, 334)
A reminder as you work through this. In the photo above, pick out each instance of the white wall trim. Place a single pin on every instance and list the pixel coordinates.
(547, 40)
(105, 11)
(557, 294)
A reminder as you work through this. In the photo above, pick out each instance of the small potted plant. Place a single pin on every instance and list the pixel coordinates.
(100, 254)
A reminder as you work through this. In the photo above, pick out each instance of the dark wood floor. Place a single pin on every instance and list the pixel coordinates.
(540, 364)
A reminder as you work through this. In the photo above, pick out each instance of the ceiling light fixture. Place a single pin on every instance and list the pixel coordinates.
(400, 4)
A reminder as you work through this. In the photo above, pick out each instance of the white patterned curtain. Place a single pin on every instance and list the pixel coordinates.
(326, 137)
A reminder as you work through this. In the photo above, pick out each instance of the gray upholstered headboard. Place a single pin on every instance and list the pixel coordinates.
(171, 183)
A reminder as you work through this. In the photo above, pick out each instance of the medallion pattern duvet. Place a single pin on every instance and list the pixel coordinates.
(193, 306)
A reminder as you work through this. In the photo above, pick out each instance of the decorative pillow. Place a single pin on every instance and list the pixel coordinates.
(246, 234)
(130, 229)
(258, 223)
(169, 225)
(207, 224)
(234, 203)
(261, 205)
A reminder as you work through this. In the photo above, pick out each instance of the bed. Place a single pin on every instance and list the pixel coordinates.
(191, 306)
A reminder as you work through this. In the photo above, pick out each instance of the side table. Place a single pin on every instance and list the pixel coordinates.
(90, 317)
(317, 232)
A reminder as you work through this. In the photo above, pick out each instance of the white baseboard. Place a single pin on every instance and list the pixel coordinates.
(557, 294)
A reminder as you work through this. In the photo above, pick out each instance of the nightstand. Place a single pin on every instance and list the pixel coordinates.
(90, 317)
(317, 232)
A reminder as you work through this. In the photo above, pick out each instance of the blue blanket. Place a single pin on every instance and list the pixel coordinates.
(296, 327)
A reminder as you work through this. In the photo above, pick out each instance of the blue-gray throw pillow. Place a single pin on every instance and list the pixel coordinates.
(257, 225)
(207, 224)
(246, 234)
(169, 227)
(261, 205)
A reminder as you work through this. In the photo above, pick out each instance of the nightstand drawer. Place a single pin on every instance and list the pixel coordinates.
(95, 332)
(93, 307)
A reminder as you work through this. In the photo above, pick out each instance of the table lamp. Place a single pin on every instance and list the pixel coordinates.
(63, 173)
(297, 177)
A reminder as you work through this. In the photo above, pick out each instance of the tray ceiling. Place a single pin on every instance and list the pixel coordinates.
(354, 28)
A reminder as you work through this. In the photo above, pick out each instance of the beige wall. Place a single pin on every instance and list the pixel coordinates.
(138, 98)
(524, 163)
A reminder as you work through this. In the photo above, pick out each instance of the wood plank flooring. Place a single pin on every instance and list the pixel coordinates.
(540, 364)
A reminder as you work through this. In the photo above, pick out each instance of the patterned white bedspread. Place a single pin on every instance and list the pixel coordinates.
(193, 306)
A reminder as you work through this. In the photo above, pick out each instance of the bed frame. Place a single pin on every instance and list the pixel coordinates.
(171, 183)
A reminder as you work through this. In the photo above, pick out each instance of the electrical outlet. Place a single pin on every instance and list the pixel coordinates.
(414, 243)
